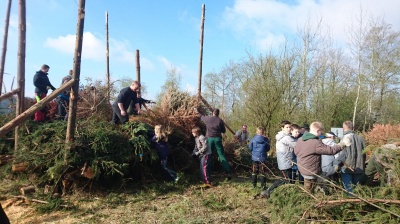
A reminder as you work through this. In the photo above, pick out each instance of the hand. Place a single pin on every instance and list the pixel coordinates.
(346, 141)
(123, 113)
(48, 87)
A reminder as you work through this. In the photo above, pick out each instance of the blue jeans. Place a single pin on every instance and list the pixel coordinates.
(168, 174)
(349, 179)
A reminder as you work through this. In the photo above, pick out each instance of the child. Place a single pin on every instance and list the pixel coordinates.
(159, 141)
(202, 150)
(259, 146)
(295, 134)
(284, 154)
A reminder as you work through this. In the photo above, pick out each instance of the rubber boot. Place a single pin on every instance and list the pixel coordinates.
(263, 180)
(254, 178)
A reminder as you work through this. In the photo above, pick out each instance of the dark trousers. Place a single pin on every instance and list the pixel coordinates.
(62, 105)
(117, 116)
(258, 170)
(3, 216)
(169, 175)
(40, 115)
(205, 167)
(286, 179)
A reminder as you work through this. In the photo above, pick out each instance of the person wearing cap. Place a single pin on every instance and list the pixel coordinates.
(63, 99)
(125, 97)
(329, 164)
(42, 84)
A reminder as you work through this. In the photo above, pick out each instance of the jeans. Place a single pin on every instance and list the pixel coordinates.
(62, 105)
(349, 179)
(168, 174)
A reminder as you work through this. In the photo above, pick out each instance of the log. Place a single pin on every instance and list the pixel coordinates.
(19, 167)
(5, 38)
(27, 190)
(201, 49)
(9, 94)
(372, 200)
(38, 106)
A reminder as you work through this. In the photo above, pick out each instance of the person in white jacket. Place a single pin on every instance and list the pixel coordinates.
(329, 164)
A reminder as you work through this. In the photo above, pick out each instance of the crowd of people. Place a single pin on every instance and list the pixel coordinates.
(304, 154)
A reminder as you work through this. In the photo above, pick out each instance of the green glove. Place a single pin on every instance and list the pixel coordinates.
(37, 99)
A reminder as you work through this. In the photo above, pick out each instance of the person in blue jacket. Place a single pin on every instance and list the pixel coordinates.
(259, 146)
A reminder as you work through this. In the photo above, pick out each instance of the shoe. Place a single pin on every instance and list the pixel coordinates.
(265, 194)
(177, 179)
(229, 176)
(206, 186)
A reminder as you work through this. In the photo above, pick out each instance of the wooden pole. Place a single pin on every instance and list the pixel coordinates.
(5, 37)
(9, 94)
(108, 60)
(138, 65)
(73, 101)
(210, 108)
(21, 66)
(201, 49)
(38, 106)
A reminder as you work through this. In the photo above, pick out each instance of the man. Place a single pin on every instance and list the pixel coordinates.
(329, 163)
(309, 149)
(352, 157)
(42, 84)
(141, 101)
(215, 128)
(63, 99)
(242, 135)
(125, 97)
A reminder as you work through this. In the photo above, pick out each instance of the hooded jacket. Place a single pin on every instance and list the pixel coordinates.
(352, 155)
(328, 162)
(284, 150)
(201, 146)
(309, 149)
(259, 146)
(41, 82)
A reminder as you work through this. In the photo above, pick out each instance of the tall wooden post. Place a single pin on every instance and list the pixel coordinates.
(73, 102)
(21, 65)
(137, 66)
(108, 61)
(201, 49)
(5, 37)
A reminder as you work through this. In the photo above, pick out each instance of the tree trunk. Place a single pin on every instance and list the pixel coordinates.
(201, 50)
(73, 102)
(28, 113)
(9, 94)
(108, 60)
(137, 65)
(5, 37)
(21, 65)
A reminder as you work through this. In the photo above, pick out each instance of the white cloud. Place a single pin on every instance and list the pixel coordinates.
(268, 21)
(191, 89)
(168, 64)
(92, 47)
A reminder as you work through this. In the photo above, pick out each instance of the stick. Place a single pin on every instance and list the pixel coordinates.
(342, 201)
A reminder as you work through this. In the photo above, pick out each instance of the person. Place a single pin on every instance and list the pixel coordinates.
(329, 164)
(305, 128)
(352, 157)
(42, 84)
(259, 146)
(160, 142)
(141, 101)
(63, 99)
(204, 152)
(125, 97)
(295, 135)
(3, 216)
(242, 135)
(215, 128)
(285, 144)
(309, 149)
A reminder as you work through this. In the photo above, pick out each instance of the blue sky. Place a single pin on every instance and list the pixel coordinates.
(167, 34)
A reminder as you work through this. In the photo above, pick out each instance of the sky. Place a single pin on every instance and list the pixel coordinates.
(167, 34)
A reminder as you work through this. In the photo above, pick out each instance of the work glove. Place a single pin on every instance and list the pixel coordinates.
(37, 99)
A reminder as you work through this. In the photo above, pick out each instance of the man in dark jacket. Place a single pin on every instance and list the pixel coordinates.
(215, 128)
(352, 157)
(42, 84)
(125, 97)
